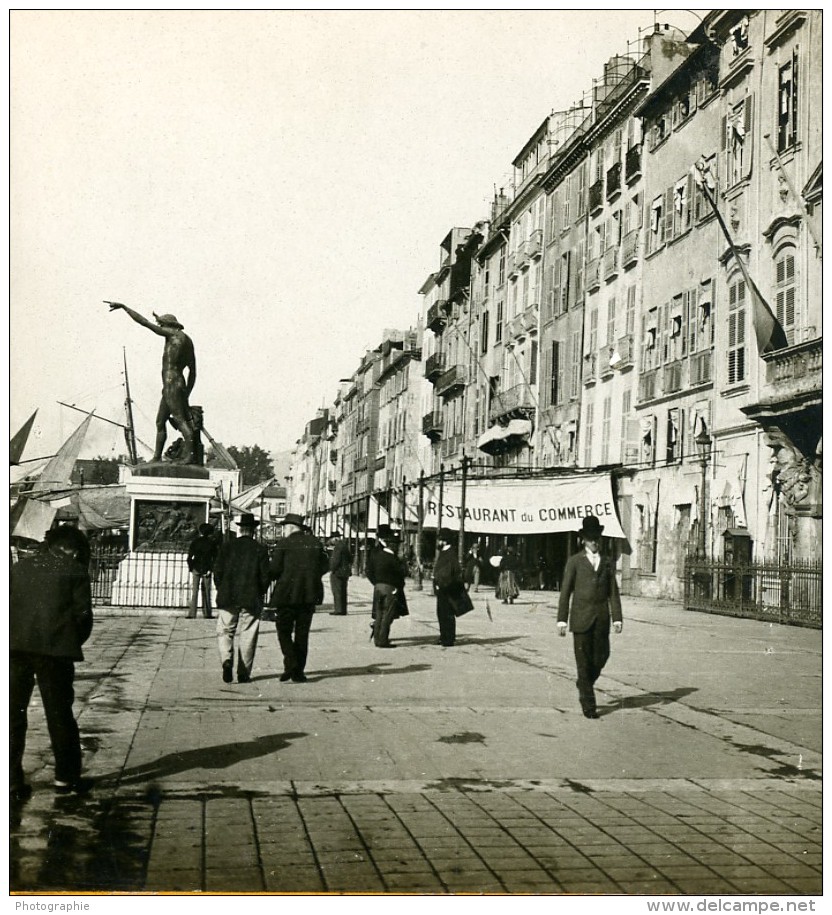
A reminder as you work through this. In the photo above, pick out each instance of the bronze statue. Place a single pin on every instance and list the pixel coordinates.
(174, 406)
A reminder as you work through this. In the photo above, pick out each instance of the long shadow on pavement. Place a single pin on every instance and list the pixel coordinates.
(371, 670)
(647, 699)
(217, 756)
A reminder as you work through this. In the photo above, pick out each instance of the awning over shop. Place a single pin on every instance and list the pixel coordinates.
(525, 506)
(498, 437)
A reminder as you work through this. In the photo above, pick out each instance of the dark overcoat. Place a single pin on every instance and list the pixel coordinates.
(241, 573)
(50, 606)
(340, 562)
(298, 563)
(594, 594)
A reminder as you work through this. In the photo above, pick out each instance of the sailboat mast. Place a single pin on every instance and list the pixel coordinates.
(129, 429)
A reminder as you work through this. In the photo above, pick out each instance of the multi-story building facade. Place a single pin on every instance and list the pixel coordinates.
(609, 316)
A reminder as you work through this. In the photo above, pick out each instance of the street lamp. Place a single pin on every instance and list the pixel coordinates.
(703, 444)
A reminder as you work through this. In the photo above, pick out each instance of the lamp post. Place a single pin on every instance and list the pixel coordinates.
(703, 444)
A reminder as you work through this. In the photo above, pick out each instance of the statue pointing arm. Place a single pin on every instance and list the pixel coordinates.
(178, 356)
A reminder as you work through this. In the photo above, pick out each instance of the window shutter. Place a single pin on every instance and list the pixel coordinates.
(795, 96)
(748, 140)
(668, 214)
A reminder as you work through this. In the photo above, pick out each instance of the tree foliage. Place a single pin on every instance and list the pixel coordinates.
(254, 462)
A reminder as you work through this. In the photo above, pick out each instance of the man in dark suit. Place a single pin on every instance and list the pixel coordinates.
(202, 554)
(298, 564)
(340, 569)
(589, 580)
(386, 574)
(242, 575)
(448, 585)
(50, 612)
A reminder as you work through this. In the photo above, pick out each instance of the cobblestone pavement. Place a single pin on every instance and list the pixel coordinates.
(431, 770)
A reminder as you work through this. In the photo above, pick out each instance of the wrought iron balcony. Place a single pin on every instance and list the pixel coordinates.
(521, 256)
(379, 462)
(437, 317)
(432, 425)
(593, 274)
(511, 266)
(590, 371)
(605, 367)
(453, 379)
(624, 351)
(434, 366)
(611, 263)
(630, 248)
(517, 400)
(333, 455)
(614, 181)
(332, 485)
(632, 163)
(360, 464)
(534, 245)
(596, 196)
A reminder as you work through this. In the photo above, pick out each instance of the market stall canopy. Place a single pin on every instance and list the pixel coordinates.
(498, 437)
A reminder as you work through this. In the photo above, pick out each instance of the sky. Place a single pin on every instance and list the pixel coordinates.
(280, 181)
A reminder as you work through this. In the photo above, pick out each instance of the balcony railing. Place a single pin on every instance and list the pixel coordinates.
(521, 256)
(596, 196)
(522, 324)
(511, 266)
(614, 181)
(379, 462)
(796, 370)
(632, 163)
(534, 246)
(673, 377)
(648, 388)
(590, 370)
(611, 263)
(624, 349)
(360, 464)
(436, 318)
(454, 378)
(519, 398)
(593, 274)
(605, 367)
(332, 485)
(630, 248)
(434, 366)
(432, 425)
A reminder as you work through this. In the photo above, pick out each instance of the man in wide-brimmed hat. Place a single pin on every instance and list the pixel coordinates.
(386, 572)
(298, 564)
(589, 581)
(242, 575)
(177, 356)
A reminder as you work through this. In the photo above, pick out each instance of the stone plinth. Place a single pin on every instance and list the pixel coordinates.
(168, 502)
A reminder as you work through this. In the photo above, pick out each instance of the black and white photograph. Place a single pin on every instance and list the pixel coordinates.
(416, 458)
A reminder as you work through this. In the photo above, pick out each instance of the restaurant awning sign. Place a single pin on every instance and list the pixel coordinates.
(524, 506)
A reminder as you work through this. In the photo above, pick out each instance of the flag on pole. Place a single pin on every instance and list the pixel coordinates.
(768, 330)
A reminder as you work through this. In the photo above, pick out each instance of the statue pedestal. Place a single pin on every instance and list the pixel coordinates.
(168, 502)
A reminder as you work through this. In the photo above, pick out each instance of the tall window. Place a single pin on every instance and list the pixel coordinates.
(484, 333)
(501, 267)
(581, 201)
(785, 289)
(590, 419)
(533, 363)
(736, 331)
(736, 141)
(787, 107)
(575, 353)
(673, 436)
(605, 431)
(611, 321)
(554, 377)
(498, 327)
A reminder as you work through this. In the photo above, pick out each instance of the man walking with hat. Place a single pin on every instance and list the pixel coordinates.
(242, 576)
(589, 581)
(449, 587)
(340, 569)
(298, 565)
(386, 574)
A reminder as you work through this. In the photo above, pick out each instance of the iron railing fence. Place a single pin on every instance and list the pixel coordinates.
(779, 592)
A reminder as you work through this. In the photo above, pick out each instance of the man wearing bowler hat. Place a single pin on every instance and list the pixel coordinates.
(589, 581)
(448, 585)
(298, 565)
(386, 574)
(242, 576)
(340, 569)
